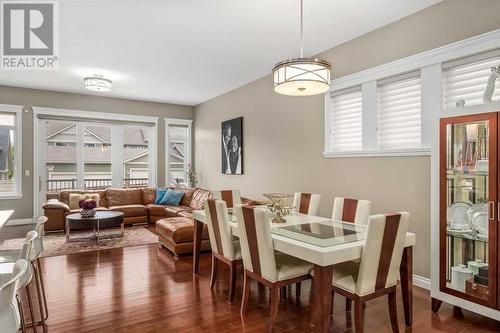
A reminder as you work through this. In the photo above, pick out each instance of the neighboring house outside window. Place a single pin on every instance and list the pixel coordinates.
(10, 150)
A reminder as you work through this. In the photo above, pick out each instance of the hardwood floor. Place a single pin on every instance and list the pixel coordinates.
(146, 289)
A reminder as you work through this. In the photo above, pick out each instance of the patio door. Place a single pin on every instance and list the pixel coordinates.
(91, 155)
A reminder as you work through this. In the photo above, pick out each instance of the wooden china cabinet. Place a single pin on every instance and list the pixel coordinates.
(469, 187)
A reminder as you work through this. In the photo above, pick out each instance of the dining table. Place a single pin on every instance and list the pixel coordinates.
(324, 243)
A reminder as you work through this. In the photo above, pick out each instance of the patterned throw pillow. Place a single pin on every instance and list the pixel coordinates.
(74, 199)
(172, 198)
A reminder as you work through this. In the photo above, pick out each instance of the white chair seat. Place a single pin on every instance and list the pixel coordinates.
(289, 267)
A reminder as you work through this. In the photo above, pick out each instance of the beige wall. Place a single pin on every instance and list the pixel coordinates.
(284, 136)
(31, 97)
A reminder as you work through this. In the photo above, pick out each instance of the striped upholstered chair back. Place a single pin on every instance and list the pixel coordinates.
(306, 203)
(382, 252)
(257, 247)
(219, 230)
(351, 210)
(231, 197)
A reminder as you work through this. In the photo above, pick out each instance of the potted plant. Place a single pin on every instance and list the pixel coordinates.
(87, 207)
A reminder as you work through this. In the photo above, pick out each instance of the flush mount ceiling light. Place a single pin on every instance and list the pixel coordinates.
(302, 76)
(98, 83)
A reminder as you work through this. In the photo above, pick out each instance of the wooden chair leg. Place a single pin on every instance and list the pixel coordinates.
(348, 305)
(42, 284)
(298, 288)
(30, 307)
(39, 293)
(232, 280)
(213, 275)
(283, 293)
(333, 299)
(21, 313)
(246, 293)
(275, 301)
(393, 312)
(358, 317)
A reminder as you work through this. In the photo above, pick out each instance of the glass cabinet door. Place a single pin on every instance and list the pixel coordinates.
(468, 194)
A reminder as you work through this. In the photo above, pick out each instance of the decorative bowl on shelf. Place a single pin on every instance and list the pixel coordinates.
(278, 205)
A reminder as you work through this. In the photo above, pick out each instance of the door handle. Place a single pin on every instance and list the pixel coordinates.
(498, 210)
(491, 211)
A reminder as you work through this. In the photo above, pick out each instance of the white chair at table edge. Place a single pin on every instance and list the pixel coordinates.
(224, 248)
(261, 262)
(10, 311)
(377, 273)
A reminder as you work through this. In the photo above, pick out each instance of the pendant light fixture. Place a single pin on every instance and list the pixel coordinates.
(302, 76)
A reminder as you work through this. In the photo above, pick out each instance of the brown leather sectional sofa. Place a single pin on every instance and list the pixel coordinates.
(175, 231)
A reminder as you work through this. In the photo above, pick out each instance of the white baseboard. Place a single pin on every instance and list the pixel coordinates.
(20, 221)
(421, 282)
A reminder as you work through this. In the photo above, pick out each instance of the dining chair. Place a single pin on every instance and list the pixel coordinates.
(377, 273)
(261, 262)
(224, 247)
(351, 210)
(10, 313)
(231, 197)
(26, 278)
(36, 252)
(306, 203)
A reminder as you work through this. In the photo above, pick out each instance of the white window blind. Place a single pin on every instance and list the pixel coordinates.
(399, 112)
(345, 120)
(467, 78)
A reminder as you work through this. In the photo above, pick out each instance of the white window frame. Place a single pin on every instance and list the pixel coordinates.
(18, 158)
(189, 148)
(426, 62)
(117, 136)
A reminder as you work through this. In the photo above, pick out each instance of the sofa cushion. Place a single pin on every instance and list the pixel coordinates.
(131, 210)
(199, 197)
(188, 195)
(178, 229)
(172, 211)
(188, 213)
(172, 198)
(75, 198)
(160, 193)
(123, 197)
(148, 195)
(64, 196)
(156, 210)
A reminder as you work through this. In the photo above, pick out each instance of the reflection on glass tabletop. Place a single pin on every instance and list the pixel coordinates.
(324, 233)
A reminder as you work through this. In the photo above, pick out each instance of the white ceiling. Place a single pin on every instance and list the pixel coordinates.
(188, 51)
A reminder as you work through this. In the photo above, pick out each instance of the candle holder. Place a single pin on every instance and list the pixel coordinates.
(278, 207)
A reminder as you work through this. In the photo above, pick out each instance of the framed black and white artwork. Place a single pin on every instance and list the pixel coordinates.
(232, 146)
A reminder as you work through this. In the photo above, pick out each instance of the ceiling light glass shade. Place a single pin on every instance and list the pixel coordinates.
(302, 77)
(96, 83)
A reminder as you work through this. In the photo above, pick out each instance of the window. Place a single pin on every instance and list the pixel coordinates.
(399, 112)
(178, 157)
(346, 120)
(10, 152)
(466, 79)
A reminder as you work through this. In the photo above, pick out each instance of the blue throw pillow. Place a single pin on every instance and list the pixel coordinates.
(172, 198)
(160, 192)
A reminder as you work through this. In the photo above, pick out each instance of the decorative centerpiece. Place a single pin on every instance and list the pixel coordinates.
(278, 207)
(87, 207)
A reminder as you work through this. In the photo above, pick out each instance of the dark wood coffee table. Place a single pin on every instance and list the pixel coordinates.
(102, 219)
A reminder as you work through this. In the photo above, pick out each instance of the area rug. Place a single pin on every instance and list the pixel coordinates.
(55, 244)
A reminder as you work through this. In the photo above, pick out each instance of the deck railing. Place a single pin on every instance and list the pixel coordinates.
(56, 185)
